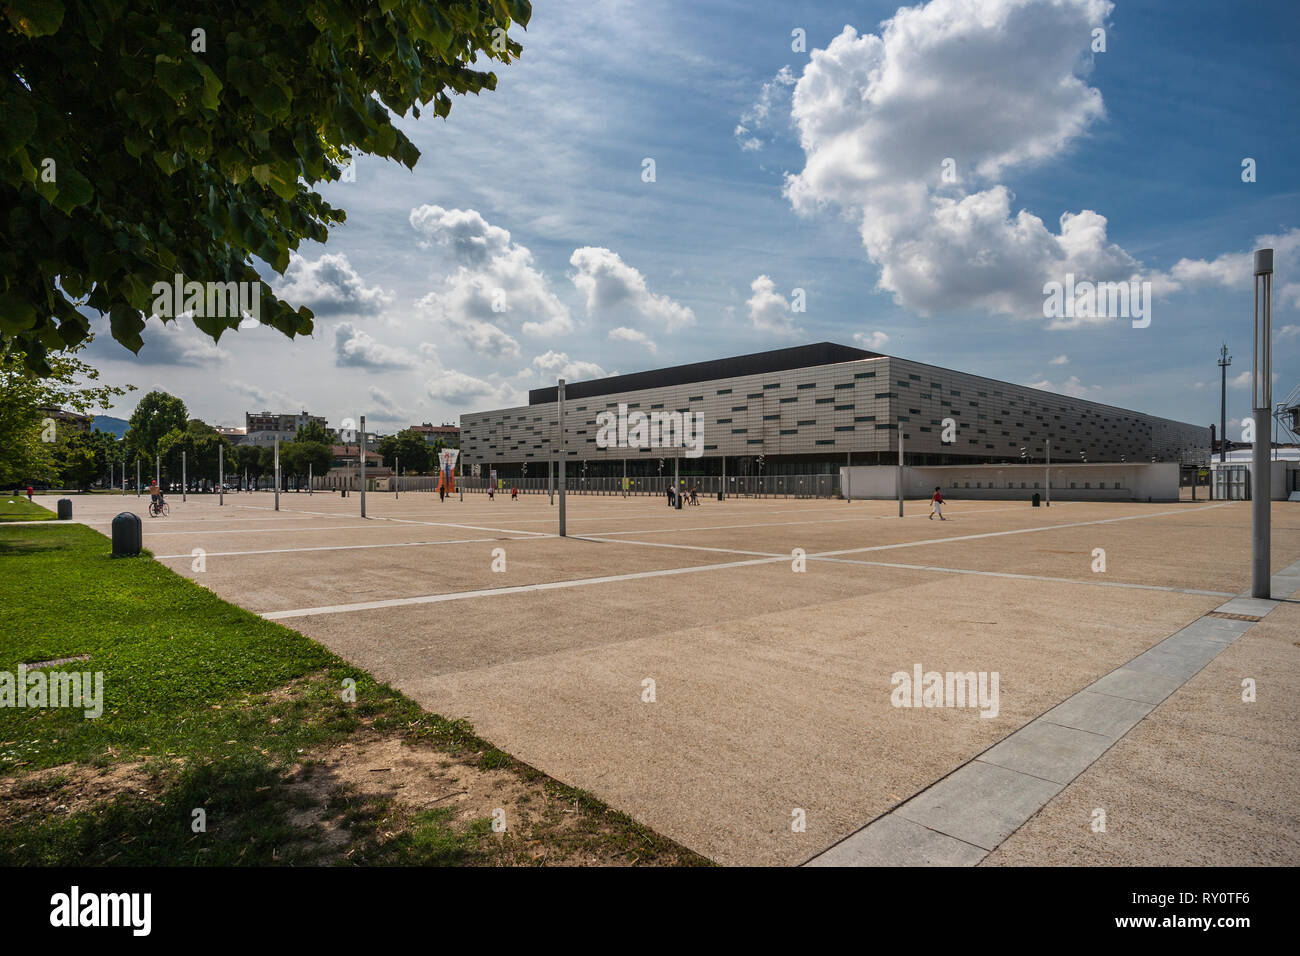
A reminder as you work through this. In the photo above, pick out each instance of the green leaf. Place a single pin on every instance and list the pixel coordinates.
(74, 190)
(35, 18)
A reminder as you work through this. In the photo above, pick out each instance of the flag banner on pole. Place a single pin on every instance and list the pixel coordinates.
(447, 468)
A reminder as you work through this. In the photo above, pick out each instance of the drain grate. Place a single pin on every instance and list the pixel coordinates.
(1233, 617)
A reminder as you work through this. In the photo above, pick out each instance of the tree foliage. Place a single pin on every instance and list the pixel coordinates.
(317, 433)
(142, 139)
(28, 438)
(409, 449)
(157, 414)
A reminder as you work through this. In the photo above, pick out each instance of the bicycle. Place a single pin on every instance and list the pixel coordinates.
(158, 509)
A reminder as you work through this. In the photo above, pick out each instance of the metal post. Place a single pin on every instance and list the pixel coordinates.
(900, 471)
(724, 477)
(157, 471)
(221, 474)
(848, 464)
(397, 462)
(277, 474)
(1260, 490)
(1047, 471)
(137, 476)
(362, 448)
(310, 482)
(1224, 361)
(560, 416)
(624, 477)
(184, 483)
(677, 492)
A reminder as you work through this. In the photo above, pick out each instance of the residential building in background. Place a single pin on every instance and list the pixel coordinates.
(450, 434)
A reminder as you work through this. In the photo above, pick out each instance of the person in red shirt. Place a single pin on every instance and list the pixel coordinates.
(936, 506)
(30, 489)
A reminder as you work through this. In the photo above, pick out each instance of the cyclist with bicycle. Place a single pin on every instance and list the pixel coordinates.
(156, 502)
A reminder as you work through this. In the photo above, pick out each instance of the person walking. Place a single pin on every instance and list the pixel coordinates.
(670, 496)
(936, 506)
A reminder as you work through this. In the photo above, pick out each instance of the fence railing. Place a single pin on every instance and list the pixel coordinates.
(743, 486)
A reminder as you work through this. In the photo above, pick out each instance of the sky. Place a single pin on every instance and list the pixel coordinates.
(657, 184)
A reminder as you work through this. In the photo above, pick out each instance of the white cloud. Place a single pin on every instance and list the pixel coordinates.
(552, 365)
(175, 342)
(773, 101)
(1071, 386)
(611, 286)
(872, 342)
(624, 334)
(1060, 360)
(1235, 270)
(495, 281)
(992, 84)
(355, 348)
(330, 286)
(768, 309)
(459, 388)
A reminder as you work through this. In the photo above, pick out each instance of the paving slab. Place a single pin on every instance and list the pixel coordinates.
(893, 841)
(1049, 751)
(980, 803)
(1098, 713)
(1149, 688)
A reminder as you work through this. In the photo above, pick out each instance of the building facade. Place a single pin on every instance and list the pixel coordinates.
(449, 434)
(814, 408)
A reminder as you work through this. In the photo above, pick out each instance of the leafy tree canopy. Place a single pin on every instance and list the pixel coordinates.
(143, 139)
(408, 449)
(316, 433)
(157, 414)
(28, 438)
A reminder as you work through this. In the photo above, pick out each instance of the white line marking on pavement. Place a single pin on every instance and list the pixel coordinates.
(493, 592)
(640, 575)
(340, 547)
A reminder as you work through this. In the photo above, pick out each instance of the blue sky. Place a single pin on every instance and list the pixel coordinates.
(819, 170)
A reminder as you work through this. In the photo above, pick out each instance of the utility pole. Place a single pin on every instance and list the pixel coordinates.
(277, 474)
(362, 449)
(183, 481)
(900, 471)
(1262, 361)
(1224, 361)
(559, 395)
(1047, 470)
(137, 476)
(397, 462)
(221, 474)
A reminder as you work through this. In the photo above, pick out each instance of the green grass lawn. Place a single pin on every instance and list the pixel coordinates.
(209, 706)
(18, 508)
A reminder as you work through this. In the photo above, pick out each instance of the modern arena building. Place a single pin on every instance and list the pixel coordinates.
(813, 409)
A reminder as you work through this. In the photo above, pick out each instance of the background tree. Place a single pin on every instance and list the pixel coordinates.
(27, 441)
(296, 457)
(199, 441)
(148, 138)
(157, 414)
(407, 448)
(82, 458)
(316, 432)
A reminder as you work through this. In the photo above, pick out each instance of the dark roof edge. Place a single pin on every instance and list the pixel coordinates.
(756, 363)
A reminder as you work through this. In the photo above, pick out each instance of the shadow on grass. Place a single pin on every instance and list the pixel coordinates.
(247, 819)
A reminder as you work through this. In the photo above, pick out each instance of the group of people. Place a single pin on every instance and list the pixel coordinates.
(690, 496)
